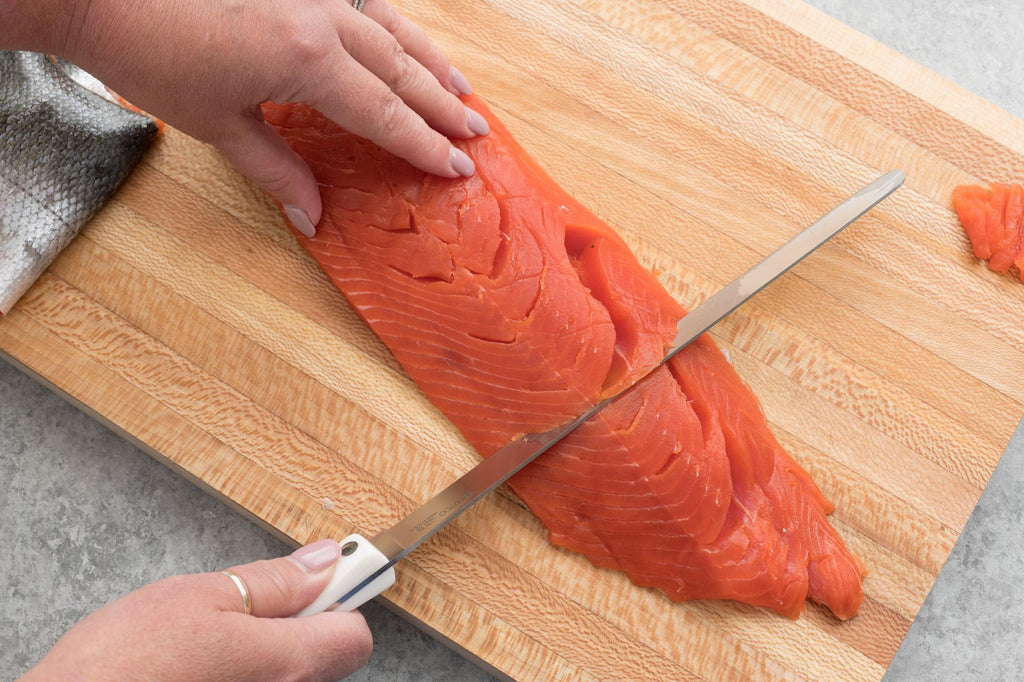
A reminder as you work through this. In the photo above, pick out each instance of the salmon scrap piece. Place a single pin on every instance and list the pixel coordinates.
(993, 218)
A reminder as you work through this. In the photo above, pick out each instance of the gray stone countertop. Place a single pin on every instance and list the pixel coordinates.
(86, 516)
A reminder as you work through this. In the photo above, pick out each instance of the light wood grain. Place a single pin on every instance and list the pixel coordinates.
(186, 317)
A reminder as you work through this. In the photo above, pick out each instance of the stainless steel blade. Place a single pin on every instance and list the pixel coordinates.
(397, 541)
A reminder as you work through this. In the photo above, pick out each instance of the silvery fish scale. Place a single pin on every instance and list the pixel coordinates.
(64, 151)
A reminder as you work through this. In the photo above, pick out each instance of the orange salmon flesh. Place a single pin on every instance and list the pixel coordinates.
(514, 309)
(993, 219)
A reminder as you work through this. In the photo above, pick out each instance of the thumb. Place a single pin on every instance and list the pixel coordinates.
(279, 588)
(257, 151)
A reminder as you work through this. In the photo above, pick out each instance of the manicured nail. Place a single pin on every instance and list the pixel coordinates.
(300, 220)
(461, 164)
(317, 556)
(459, 82)
(476, 122)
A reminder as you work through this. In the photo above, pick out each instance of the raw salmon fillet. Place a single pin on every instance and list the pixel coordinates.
(513, 308)
(993, 219)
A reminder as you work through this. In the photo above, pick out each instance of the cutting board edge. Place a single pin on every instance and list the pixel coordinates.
(240, 509)
(899, 69)
(149, 450)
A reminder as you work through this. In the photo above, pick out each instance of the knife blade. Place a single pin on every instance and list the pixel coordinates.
(366, 567)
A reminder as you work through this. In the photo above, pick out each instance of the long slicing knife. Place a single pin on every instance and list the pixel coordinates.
(366, 567)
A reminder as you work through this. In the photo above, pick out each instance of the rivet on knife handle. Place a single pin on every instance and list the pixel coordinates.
(348, 588)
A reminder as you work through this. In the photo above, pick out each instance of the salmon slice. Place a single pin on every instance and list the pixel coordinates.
(993, 219)
(514, 309)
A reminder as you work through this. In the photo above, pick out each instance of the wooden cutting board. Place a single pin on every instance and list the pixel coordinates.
(186, 317)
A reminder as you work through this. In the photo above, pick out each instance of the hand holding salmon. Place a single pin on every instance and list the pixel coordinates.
(191, 63)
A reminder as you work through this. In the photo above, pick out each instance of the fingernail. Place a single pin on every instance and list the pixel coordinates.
(459, 82)
(300, 220)
(461, 164)
(476, 122)
(317, 556)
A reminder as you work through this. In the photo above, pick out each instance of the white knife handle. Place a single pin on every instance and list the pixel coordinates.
(359, 560)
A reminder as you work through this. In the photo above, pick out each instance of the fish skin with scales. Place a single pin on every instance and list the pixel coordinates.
(64, 151)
